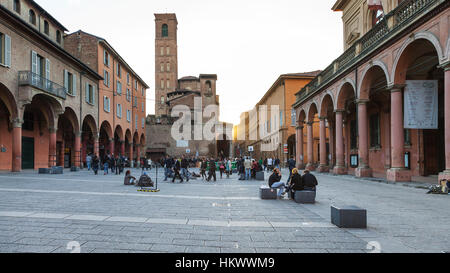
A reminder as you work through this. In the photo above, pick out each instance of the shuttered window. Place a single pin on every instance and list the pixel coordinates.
(70, 83)
(375, 139)
(90, 93)
(119, 111)
(106, 104)
(119, 88)
(5, 50)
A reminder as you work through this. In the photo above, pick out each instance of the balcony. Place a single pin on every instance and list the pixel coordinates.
(28, 78)
(393, 23)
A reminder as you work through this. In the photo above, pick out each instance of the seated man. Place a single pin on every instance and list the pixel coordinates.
(309, 181)
(129, 179)
(274, 182)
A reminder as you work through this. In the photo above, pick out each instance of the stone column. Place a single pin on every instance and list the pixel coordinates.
(77, 147)
(62, 154)
(340, 159)
(111, 145)
(138, 155)
(323, 146)
(299, 148)
(397, 172)
(310, 166)
(52, 148)
(331, 156)
(122, 147)
(17, 145)
(446, 174)
(363, 169)
(96, 145)
(130, 154)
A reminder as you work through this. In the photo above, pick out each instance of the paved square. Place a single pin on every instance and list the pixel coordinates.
(54, 213)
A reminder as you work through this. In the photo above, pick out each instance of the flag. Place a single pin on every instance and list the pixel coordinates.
(375, 4)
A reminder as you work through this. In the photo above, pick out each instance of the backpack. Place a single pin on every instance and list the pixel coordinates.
(145, 181)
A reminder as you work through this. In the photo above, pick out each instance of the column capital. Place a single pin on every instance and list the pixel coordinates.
(17, 123)
(310, 123)
(52, 130)
(445, 66)
(299, 127)
(111, 140)
(322, 118)
(339, 111)
(361, 101)
(78, 133)
(396, 87)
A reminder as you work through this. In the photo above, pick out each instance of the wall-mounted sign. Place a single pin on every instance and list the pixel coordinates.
(354, 161)
(182, 143)
(421, 105)
(250, 148)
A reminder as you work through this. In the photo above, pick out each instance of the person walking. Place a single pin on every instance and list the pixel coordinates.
(106, 164)
(112, 163)
(184, 164)
(269, 164)
(203, 166)
(221, 168)
(229, 168)
(177, 168)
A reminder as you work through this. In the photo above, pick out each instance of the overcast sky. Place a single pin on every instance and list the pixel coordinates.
(247, 43)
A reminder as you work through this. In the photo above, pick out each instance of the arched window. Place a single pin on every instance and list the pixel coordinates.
(46, 28)
(168, 67)
(32, 17)
(165, 30)
(208, 86)
(16, 6)
(58, 36)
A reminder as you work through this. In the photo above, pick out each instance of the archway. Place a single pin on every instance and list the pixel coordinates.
(346, 137)
(88, 138)
(374, 137)
(106, 146)
(128, 145)
(136, 148)
(8, 113)
(313, 137)
(419, 61)
(68, 140)
(119, 141)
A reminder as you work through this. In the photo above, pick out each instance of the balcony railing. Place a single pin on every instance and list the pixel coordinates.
(39, 82)
(404, 14)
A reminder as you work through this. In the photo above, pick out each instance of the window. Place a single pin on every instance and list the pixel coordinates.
(168, 67)
(46, 28)
(58, 36)
(40, 68)
(5, 50)
(293, 117)
(32, 17)
(165, 30)
(375, 131)
(143, 91)
(168, 50)
(135, 121)
(106, 78)
(119, 88)
(168, 83)
(128, 78)
(105, 58)
(16, 6)
(281, 118)
(106, 104)
(119, 70)
(162, 84)
(143, 106)
(407, 137)
(119, 111)
(135, 84)
(208, 87)
(162, 99)
(128, 94)
(90, 93)
(162, 51)
(128, 115)
(135, 102)
(70, 83)
(353, 135)
(143, 123)
(162, 68)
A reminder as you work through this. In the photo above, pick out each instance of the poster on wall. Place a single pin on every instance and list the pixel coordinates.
(182, 143)
(421, 105)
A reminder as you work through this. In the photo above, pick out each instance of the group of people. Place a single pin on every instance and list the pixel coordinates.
(296, 182)
(176, 169)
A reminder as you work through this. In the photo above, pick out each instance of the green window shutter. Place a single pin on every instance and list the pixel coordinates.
(7, 51)
(86, 92)
(33, 62)
(74, 85)
(66, 80)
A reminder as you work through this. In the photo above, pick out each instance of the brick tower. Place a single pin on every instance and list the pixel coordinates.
(166, 60)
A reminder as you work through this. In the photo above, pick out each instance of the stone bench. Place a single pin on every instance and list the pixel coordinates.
(305, 197)
(267, 193)
(348, 216)
(259, 176)
(57, 170)
(45, 171)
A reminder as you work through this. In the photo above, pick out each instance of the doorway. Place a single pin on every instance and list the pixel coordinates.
(27, 153)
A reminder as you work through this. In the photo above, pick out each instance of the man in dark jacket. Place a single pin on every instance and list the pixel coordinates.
(212, 170)
(176, 169)
(309, 181)
(184, 168)
(274, 182)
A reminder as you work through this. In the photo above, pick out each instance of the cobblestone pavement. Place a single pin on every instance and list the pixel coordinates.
(47, 213)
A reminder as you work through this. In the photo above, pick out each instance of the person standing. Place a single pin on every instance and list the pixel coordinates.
(248, 168)
(221, 168)
(95, 163)
(112, 163)
(184, 168)
(212, 170)
(106, 164)
(269, 164)
(88, 161)
(177, 174)
(203, 166)
(229, 168)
